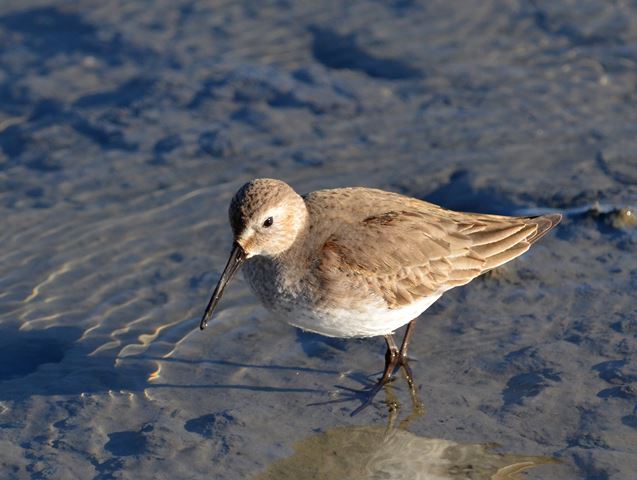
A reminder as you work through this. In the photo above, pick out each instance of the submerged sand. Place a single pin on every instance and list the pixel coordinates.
(125, 128)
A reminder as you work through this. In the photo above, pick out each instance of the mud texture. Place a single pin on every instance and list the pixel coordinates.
(125, 128)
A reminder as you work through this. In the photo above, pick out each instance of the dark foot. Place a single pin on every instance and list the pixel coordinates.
(369, 395)
(347, 394)
(393, 359)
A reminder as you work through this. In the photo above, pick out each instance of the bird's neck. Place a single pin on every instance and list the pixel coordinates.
(297, 253)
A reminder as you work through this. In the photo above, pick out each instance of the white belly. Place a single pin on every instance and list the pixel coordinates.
(374, 320)
(291, 302)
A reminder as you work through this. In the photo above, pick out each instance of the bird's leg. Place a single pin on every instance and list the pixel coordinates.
(406, 339)
(391, 362)
(403, 361)
(391, 359)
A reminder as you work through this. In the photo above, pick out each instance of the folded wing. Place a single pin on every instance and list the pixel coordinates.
(403, 255)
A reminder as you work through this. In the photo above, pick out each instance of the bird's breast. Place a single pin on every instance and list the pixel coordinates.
(293, 298)
(275, 286)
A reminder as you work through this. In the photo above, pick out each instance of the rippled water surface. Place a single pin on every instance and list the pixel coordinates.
(125, 128)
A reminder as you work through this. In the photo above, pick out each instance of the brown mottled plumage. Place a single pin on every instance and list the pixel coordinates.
(410, 248)
(357, 262)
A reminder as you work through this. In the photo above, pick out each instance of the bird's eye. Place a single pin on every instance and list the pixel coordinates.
(268, 222)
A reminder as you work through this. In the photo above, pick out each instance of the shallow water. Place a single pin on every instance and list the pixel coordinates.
(125, 128)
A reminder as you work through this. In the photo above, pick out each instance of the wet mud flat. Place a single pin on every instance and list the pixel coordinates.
(125, 128)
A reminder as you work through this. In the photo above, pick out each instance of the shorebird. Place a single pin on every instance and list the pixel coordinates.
(361, 262)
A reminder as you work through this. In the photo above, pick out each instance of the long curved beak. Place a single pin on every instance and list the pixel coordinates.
(237, 257)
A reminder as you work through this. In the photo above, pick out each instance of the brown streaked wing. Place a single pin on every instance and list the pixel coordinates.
(405, 255)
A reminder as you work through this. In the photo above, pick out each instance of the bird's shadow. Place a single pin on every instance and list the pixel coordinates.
(314, 346)
(57, 361)
(367, 394)
(231, 364)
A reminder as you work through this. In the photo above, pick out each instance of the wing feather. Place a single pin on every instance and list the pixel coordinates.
(417, 249)
(507, 255)
(494, 235)
(490, 248)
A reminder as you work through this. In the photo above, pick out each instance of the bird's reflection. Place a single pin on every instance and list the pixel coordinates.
(392, 452)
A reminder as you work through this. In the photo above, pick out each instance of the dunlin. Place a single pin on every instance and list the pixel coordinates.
(360, 262)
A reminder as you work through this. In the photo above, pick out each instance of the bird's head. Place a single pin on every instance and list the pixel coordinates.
(266, 217)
